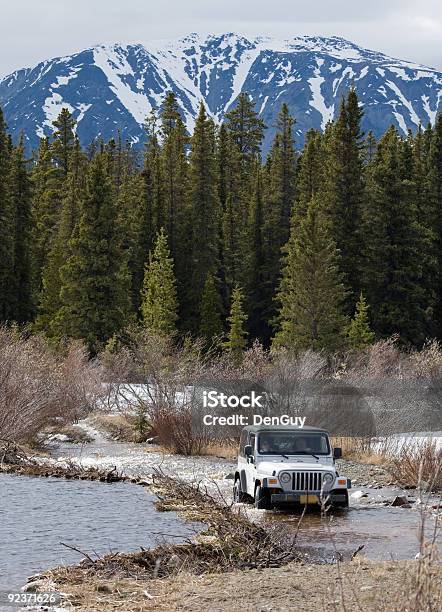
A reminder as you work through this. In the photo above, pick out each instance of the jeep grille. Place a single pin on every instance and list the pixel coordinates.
(307, 481)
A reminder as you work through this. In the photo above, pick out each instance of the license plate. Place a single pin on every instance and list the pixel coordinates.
(308, 499)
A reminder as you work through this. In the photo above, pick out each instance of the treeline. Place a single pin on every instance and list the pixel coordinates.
(328, 248)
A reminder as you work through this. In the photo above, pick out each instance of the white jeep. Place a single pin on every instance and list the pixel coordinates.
(289, 465)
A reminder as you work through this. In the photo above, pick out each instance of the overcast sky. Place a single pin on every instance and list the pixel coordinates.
(34, 30)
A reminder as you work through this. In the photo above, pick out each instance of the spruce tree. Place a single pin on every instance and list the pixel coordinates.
(311, 293)
(153, 206)
(64, 139)
(258, 283)
(359, 333)
(48, 185)
(343, 190)
(7, 230)
(21, 194)
(236, 338)
(246, 129)
(136, 233)
(392, 248)
(434, 181)
(175, 169)
(211, 326)
(159, 304)
(95, 292)
(174, 162)
(70, 206)
(279, 199)
(245, 133)
(310, 171)
(204, 213)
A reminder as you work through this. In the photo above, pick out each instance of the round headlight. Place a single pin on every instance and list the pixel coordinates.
(285, 477)
(328, 478)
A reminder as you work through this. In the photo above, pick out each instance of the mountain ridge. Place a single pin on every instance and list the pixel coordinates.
(111, 87)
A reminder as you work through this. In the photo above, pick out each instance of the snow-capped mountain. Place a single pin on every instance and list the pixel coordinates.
(111, 87)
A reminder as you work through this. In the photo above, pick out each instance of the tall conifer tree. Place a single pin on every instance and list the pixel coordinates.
(159, 304)
(311, 293)
(73, 195)
(21, 194)
(343, 190)
(7, 297)
(204, 212)
(95, 281)
(393, 239)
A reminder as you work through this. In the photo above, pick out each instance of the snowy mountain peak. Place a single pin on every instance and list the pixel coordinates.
(114, 87)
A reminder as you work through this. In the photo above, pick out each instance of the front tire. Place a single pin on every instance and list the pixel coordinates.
(341, 505)
(238, 496)
(262, 498)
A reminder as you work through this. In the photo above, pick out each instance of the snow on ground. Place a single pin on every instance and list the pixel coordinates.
(125, 398)
(415, 440)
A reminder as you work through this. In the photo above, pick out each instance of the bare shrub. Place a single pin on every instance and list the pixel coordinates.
(39, 387)
(175, 429)
(419, 464)
(79, 382)
(425, 363)
(157, 382)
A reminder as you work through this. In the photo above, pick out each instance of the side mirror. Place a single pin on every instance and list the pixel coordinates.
(337, 452)
(248, 450)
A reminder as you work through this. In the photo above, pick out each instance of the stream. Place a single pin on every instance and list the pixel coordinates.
(386, 533)
(37, 514)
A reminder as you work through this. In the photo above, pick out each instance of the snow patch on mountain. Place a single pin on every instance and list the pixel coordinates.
(52, 108)
(115, 87)
(114, 65)
(317, 100)
(413, 116)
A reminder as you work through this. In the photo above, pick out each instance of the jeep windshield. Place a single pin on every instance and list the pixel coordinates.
(293, 443)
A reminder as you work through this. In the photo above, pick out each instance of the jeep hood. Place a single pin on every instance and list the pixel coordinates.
(268, 467)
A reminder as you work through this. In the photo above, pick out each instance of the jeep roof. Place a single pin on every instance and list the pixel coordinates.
(258, 428)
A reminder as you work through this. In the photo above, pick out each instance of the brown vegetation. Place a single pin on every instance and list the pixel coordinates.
(418, 465)
(39, 387)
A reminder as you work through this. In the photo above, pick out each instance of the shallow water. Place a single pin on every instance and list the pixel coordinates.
(385, 532)
(36, 514)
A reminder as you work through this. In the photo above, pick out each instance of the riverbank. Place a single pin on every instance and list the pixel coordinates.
(360, 585)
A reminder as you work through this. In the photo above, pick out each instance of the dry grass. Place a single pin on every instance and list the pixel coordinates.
(119, 427)
(419, 465)
(382, 586)
(223, 450)
(364, 450)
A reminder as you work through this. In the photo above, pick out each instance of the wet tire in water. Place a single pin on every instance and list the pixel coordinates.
(262, 499)
(238, 496)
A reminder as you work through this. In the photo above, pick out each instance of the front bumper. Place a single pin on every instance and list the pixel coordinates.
(310, 498)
